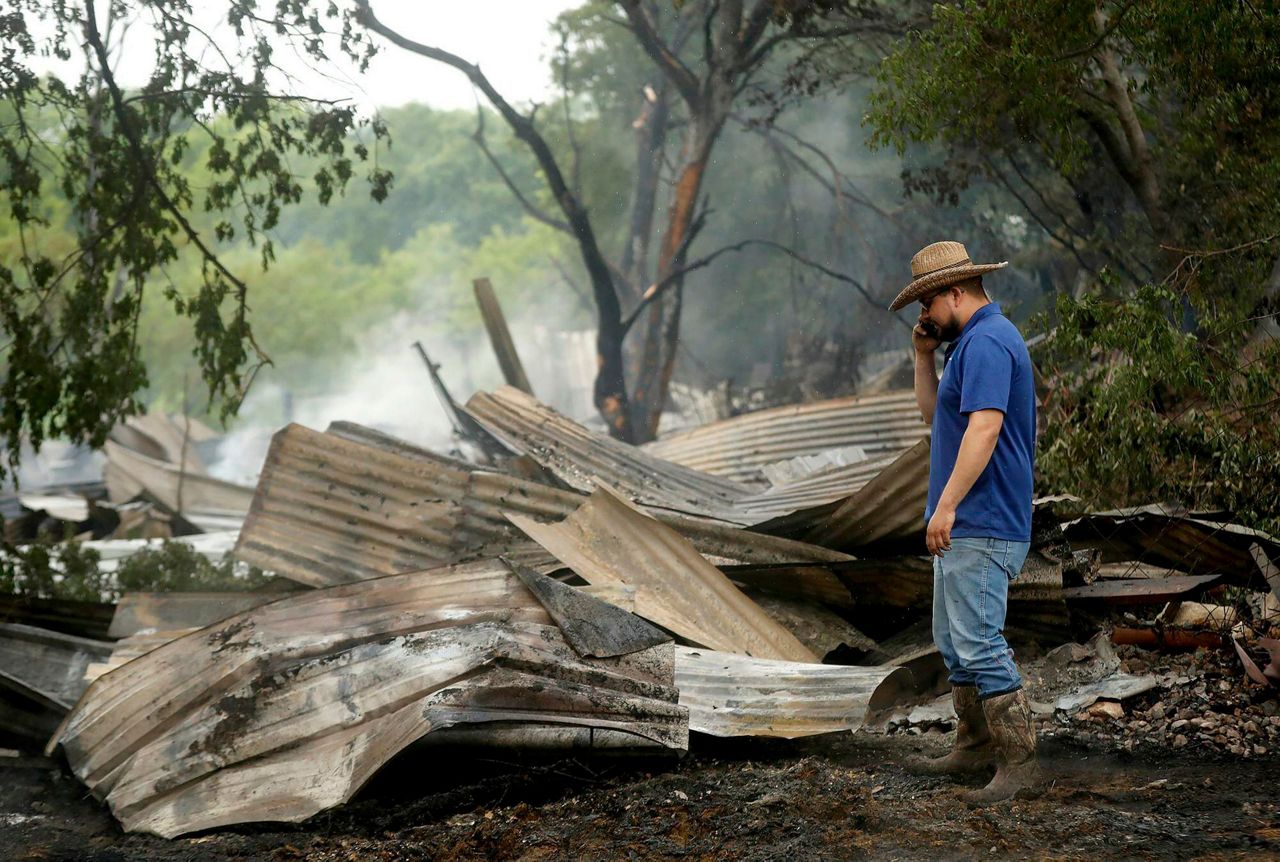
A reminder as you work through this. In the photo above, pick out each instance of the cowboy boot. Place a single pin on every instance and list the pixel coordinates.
(1013, 733)
(973, 749)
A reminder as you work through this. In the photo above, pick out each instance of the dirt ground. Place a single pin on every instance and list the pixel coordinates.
(833, 797)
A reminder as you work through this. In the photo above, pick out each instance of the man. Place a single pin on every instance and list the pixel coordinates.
(978, 516)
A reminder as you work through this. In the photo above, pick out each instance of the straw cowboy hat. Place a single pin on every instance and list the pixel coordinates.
(938, 266)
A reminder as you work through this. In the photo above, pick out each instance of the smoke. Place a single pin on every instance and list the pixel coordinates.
(385, 385)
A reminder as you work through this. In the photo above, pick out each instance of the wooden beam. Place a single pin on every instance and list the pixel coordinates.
(500, 336)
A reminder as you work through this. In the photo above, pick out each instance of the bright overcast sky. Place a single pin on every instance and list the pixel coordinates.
(510, 40)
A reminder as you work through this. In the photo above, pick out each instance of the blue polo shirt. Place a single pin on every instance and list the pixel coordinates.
(987, 367)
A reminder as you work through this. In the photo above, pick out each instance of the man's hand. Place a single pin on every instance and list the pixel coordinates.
(924, 339)
(938, 534)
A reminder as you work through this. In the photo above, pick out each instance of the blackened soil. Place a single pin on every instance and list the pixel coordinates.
(835, 797)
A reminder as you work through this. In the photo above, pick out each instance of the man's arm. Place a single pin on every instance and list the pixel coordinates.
(976, 446)
(926, 380)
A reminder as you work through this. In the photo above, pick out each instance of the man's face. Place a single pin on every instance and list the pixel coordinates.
(939, 311)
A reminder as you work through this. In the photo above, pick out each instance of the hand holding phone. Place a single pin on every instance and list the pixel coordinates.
(925, 337)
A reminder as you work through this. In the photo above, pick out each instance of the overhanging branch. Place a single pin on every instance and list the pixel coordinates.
(658, 288)
(529, 206)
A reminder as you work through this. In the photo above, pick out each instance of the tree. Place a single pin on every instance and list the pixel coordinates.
(114, 163)
(1140, 127)
(704, 55)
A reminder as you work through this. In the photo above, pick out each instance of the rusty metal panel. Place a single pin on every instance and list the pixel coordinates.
(607, 540)
(578, 456)
(342, 506)
(287, 709)
(591, 625)
(737, 448)
(733, 695)
(129, 473)
(45, 665)
(332, 510)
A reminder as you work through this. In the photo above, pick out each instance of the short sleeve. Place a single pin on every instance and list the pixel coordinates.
(987, 377)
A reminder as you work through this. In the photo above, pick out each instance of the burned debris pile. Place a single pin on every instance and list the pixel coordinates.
(761, 575)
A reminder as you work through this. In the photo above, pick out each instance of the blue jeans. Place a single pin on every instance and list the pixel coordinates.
(970, 597)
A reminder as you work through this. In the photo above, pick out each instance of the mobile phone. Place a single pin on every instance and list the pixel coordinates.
(929, 328)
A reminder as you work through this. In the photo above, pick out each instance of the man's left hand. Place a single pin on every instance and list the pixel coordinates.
(938, 534)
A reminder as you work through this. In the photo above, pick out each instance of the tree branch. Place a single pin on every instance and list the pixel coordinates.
(1102, 36)
(838, 178)
(1146, 187)
(657, 289)
(532, 209)
(144, 164)
(575, 169)
(646, 32)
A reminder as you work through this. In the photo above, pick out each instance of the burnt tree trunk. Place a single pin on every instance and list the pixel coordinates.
(610, 391)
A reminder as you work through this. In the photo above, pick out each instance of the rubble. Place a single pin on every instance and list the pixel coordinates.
(284, 710)
(607, 540)
(564, 590)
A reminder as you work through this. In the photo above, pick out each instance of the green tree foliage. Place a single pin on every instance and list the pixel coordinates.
(122, 162)
(53, 571)
(177, 567)
(1121, 126)
(73, 572)
(1140, 411)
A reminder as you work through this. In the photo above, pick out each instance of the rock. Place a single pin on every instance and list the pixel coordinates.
(1156, 712)
(1106, 709)
(1259, 750)
(1179, 724)
(1179, 741)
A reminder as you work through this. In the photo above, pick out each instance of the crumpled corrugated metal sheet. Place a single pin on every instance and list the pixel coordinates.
(736, 448)
(579, 456)
(815, 490)
(734, 695)
(334, 508)
(129, 473)
(607, 540)
(1192, 542)
(331, 510)
(889, 507)
(41, 675)
(284, 710)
